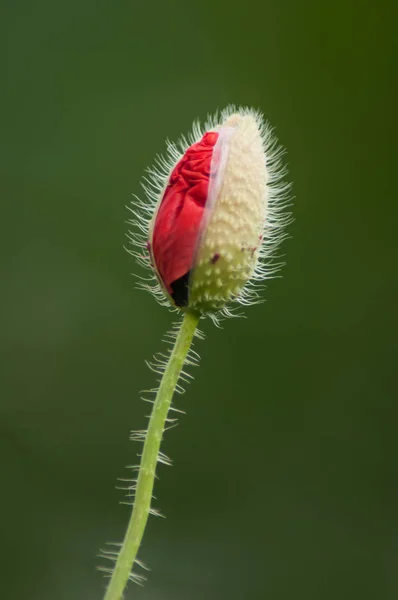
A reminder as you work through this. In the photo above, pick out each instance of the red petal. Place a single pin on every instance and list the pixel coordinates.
(181, 210)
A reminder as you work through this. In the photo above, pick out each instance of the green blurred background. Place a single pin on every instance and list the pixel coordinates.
(285, 476)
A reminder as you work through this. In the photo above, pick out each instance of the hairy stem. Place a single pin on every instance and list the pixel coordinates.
(149, 459)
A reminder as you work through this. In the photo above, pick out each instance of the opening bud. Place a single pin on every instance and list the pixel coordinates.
(216, 213)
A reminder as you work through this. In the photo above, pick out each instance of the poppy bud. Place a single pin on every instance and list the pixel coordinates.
(217, 213)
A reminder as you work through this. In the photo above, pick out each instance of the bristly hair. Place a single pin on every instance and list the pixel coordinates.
(129, 484)
(277, 217)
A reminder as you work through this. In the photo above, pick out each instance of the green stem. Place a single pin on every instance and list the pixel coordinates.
(146, 474)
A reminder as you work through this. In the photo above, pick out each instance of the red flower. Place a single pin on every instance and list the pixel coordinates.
(177, 222)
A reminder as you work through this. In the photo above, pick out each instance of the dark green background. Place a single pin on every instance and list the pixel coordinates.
(285, 476)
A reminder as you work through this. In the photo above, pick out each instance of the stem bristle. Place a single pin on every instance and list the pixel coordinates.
(139, 491)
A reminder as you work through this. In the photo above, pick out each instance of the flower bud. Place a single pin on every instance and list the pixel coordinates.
(216, 213)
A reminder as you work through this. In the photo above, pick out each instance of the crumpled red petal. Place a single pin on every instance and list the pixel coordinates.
(180, 212)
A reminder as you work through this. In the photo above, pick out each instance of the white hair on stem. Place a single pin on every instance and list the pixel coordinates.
(129, 484)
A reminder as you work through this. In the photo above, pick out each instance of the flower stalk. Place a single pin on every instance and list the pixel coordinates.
(150, 456)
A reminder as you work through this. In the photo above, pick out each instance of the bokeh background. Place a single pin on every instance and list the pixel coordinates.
(285, 476)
